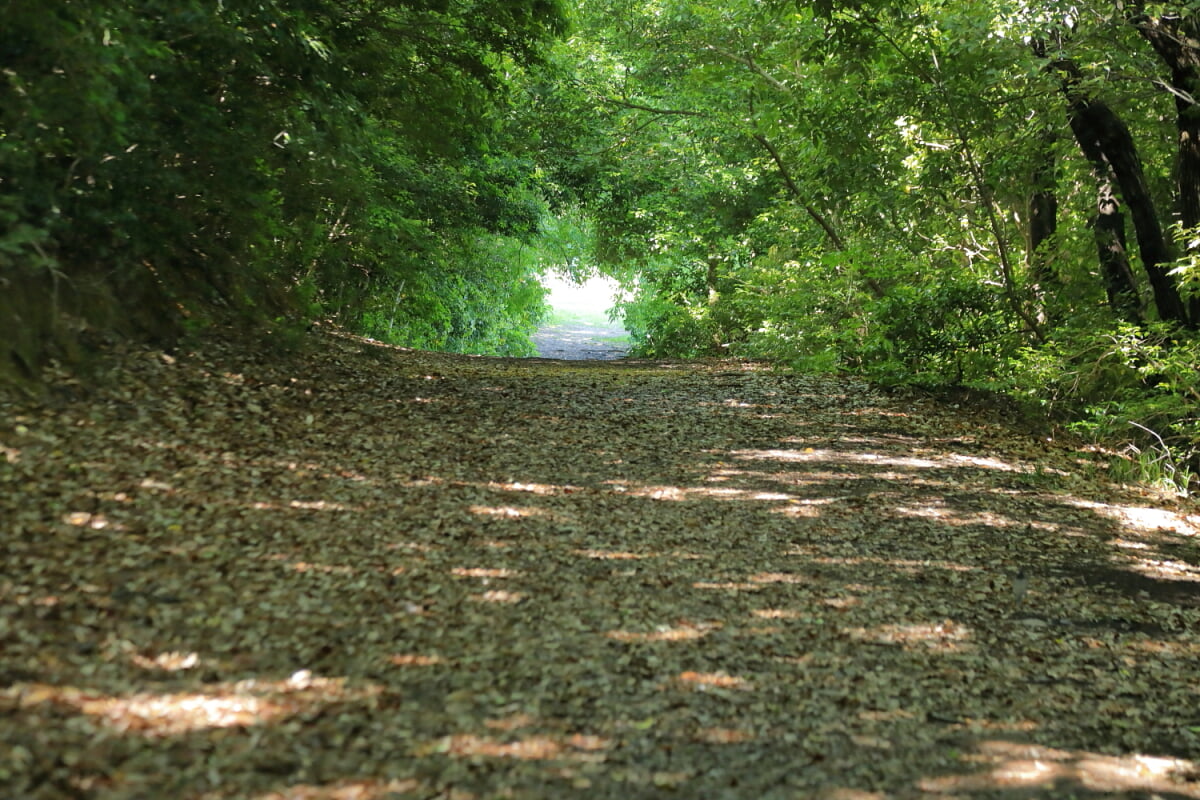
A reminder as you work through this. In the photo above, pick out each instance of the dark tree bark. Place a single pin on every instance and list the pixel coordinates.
(1109, 227)
(1174, 39)
(1106, 142)
(1043, 211)
(1043, 217)
(1043, 223)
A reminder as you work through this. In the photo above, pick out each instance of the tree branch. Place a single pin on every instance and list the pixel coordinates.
(818, 217)
(639, 107)
(794, 191)
(749, 62)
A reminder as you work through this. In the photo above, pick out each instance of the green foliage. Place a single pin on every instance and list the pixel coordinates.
(195, 160)
(831, 186)
(564, 243)
(861, 174)
(1156, 464)
(463, 303)
(1186, 269)
(1117, 382)
(664, 329)
(942, 332)
(22, 245)
(800, 308)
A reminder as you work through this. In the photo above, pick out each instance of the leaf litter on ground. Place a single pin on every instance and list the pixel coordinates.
(361, 571)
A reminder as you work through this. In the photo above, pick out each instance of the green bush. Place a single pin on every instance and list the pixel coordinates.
(196, 161)
(1132, 388)
(662, 329)
(941, 332)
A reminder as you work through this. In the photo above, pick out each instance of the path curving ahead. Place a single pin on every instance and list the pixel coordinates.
(372, 572)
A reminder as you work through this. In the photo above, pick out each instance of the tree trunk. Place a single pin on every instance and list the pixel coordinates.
(1174, 39)
(1043, 224)
(1108, 145)
(1109, 227)
(710, 280)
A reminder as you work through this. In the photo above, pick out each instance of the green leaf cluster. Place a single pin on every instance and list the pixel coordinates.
(904, 190)
(192, 161)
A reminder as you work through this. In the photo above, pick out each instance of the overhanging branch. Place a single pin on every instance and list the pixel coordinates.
(817, 217)
(679, 112)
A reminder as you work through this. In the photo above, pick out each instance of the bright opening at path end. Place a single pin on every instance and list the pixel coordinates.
(579, 327)
(589, 302)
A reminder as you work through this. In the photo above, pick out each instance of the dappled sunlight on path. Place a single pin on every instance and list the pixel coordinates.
(372, 572)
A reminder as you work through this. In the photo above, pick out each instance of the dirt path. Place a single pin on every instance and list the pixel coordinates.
(580, 342)
(377, 573)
